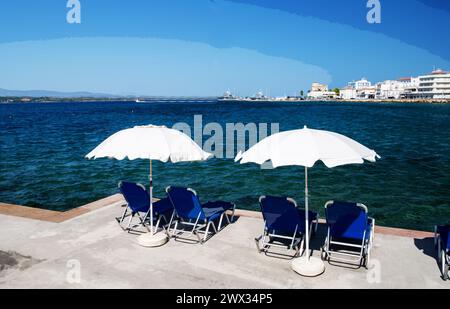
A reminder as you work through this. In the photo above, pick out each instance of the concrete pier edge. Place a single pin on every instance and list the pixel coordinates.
(118, 200)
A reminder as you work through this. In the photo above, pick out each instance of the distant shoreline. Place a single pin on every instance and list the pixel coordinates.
(25, 100)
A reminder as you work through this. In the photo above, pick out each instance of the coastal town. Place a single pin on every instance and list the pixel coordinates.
(432, 87)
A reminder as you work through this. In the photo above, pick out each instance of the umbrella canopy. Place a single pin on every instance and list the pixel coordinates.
(151, 143)
(304, 148)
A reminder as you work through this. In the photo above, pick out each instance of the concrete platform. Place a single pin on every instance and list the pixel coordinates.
(90, 250)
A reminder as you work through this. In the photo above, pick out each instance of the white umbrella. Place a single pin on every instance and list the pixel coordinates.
(151, 143)
(304, 148)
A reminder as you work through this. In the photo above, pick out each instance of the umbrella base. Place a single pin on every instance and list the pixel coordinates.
(308, 268)
(150, 240)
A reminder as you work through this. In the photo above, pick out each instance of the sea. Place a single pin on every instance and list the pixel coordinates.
(43, 149)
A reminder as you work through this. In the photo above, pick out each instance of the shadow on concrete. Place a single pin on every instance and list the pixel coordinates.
(14, 260)
(315, 245)
(426, 245)
(318, 241)
(182, 229)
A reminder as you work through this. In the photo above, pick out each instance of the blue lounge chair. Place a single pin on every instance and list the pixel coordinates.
(138, 203)
(284, 224)
(350, 233)
(190, 212)
(442, 241)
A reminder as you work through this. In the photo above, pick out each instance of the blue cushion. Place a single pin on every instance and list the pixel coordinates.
(163, 206)
(188, 205)
(136, 196)
(347, 220)
(138, 199)
(282, 217)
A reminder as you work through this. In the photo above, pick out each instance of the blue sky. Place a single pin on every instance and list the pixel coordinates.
(204, 47)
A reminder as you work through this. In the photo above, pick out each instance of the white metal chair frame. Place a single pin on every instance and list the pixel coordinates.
(142, 219)
(443, 255)
(264, 242)
(197, 226)
(365, 247)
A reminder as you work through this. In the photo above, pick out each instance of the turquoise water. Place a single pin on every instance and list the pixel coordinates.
(43, 148)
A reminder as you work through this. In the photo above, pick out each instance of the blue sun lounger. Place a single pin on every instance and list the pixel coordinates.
(284, 225)
(190, 212)
(138, 203)
(350, 233)
(442, 241)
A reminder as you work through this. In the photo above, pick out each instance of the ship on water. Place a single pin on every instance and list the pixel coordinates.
(229, 96)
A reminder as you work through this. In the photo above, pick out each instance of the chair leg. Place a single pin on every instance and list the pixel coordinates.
(327, 244)
(263, 238)
(301, 249)
(195, 225)
(228, 218)
(165, 225)
(232, 214)
(158, 223)
(143, 222)
(444, 267)
(439, 250)
(195, 232)
(129, 222)
(214, 228)
(367, 255)
(141, 219)
(124, 215)
(175, 229)
(170, 222)
(257, 240)
(363, 252)
(446, 270)
(147, 216)
(206, 232)
(221, 220)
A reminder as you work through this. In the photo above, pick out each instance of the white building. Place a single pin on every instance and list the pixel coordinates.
(360, 89)
(435, 85)
(366, 93)
(390, 89)
(348, 93)
(410, 87)
(362, 83)
(320, 91)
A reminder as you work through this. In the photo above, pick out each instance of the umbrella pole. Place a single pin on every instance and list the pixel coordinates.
(151, 197)
(308, 266)
(152, 239)
(307, 213)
